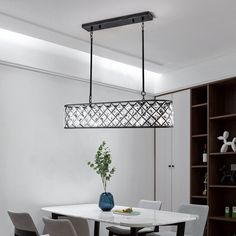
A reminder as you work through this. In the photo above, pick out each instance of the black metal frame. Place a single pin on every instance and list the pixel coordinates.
(141, 101)
(132, 118)
(118, 21)
(163, 104)
(114, 22)
(133, 127)
(134, 230)
(96, 228)
(180, 229)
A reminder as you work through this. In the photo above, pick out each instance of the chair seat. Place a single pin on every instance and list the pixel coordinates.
(126, 231)
(118, 230)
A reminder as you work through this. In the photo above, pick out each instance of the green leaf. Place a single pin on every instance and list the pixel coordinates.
(102, 163)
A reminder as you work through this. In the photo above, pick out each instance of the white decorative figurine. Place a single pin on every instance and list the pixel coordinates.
(226, 144)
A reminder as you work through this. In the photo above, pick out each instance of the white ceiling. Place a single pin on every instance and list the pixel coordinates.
(185, 32)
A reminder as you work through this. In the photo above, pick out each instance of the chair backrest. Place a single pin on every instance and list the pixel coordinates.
(80, 225)
(23, 222)
(196, 227)
(154, 205)
(60, 227)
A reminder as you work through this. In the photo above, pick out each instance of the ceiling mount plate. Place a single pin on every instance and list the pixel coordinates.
(118, 21)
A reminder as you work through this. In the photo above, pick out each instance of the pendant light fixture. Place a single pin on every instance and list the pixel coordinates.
(122, 114)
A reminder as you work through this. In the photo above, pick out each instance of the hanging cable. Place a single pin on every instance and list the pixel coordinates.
(91, 66)
(143, 93)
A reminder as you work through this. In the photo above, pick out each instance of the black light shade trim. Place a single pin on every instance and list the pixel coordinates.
(122, 114)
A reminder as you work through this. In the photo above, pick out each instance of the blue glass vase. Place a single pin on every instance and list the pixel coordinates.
(106, 201)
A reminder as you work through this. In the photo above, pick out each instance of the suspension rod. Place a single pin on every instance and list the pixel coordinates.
(91, 66)
(143, 93)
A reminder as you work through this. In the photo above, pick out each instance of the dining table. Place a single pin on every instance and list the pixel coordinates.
(137, 219)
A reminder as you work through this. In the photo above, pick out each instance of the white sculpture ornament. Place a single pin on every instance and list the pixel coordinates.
(226, 144)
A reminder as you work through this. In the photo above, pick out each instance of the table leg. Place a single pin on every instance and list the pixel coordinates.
(54, 216)
(156, 229)
(133, 231)
(96, 228)
(180, 229)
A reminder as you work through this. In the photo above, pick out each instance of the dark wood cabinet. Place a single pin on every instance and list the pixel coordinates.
(199, 135)
(213, 111)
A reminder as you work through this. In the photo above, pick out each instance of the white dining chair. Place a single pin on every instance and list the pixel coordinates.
(124, 231)
(80, 225)
(192, 228)
(59, 227)
(23, 223)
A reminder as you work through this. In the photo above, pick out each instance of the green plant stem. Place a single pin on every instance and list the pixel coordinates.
(101, 164)
(104, 184)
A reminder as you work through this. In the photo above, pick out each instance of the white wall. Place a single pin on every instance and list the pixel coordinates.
(42, 164)
(28, 52)
(173, 148)
(47, 55)
(16, 25)
(214, 69)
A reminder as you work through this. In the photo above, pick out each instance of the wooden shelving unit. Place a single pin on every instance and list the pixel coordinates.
(213, 111)
(222, 117)
(199, 136)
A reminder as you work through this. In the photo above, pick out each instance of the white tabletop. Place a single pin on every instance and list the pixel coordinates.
(146, 217)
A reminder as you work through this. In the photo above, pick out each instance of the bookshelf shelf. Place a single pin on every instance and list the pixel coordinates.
(224, 117)
(201, 105)
(199, 135)
(222, 186)
(223, 218)
(222, 153)
(199, 197)
(199, 166)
